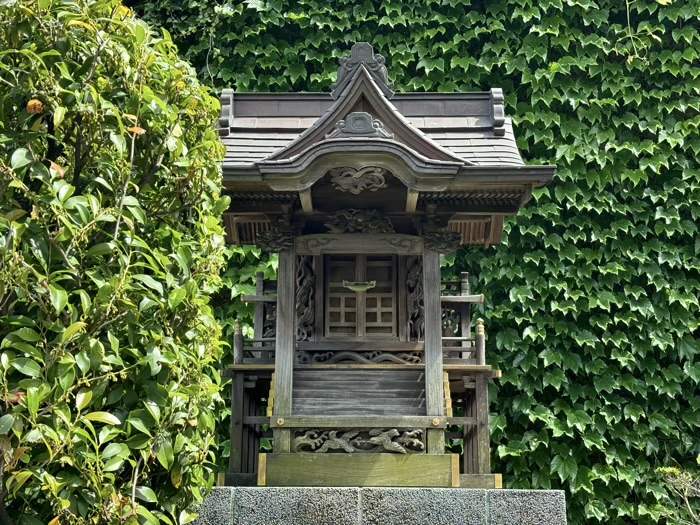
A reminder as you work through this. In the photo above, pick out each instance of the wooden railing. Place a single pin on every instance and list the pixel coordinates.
(460, 347)
(469, 348)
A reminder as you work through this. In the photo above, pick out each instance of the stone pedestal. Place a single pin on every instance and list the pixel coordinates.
(381, 506)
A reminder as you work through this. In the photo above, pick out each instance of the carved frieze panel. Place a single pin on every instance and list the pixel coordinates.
(356, 181)
(399, 441)
(359, 221)
(359, 124)
(365, 358)
(306, 281)
(414, 297)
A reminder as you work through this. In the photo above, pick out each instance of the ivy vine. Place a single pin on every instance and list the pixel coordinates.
(593, 296)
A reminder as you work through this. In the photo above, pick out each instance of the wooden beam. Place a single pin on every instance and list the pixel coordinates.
(306, 201)
(411, 200)
(284, 344)
(487, 369)
(259, 299)
(478, 299)
(359, 421)
(358, 470)
(480, 481)
(360, 243)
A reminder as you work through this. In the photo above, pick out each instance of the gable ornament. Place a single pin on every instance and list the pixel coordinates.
(362, 54)
(359, 124)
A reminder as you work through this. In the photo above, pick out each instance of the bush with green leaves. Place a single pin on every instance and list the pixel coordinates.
(686, 488)
(592, 300)
(110, 246)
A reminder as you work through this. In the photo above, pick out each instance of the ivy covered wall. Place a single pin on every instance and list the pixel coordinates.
(593, 297)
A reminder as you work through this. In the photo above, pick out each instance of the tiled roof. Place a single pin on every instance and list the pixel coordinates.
(254, 138)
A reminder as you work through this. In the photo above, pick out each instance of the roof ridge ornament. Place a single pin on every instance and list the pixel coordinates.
(362, 54)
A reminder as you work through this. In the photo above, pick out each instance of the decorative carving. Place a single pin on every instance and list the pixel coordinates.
(442, 241)
(359, 221)
(315, 243)
(270, 320)
(362, 53)
(365, 358)
(402, 243)
(356, 181)
(359, 124)
(306, 279)
(400, 441)
(414, 297)
(274, 240)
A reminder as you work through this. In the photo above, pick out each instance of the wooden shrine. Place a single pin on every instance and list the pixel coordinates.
(364, 364)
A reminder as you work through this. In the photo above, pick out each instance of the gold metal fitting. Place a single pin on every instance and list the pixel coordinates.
(436, 421)
(280, 421)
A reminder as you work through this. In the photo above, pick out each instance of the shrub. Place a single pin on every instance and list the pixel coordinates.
(110, 245)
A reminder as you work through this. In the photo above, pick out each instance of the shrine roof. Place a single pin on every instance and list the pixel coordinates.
(462, 123)
(432, 141)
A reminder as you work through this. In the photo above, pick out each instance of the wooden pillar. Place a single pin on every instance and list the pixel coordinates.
(259, 316)
(434, 395)
(284, 346)
(482, 425)
(237, 386)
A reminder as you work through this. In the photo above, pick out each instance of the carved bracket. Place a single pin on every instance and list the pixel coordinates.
(400, 441)
(359, 221)
(359, 124)
(356, 181)
(442, 241)
(274, 240)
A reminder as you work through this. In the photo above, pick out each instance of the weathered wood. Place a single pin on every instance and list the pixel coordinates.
(285, 340)
(488, 369)
(285, 335)
(434, 399)
(360, 346)
(256, 420)
(238, 347)
(482, 416)
(259, 298)
(357, 470)
(360, 243)
(461, 421)
(472, 299)
(402, 305)
(237, 479)
(325, 421)
(480, 481)
(319, 297)
(236, 450)
(480, 343)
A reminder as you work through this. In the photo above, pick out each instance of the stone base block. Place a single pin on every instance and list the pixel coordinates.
(381, 506)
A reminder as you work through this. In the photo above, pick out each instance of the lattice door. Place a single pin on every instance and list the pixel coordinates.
(370, 313)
